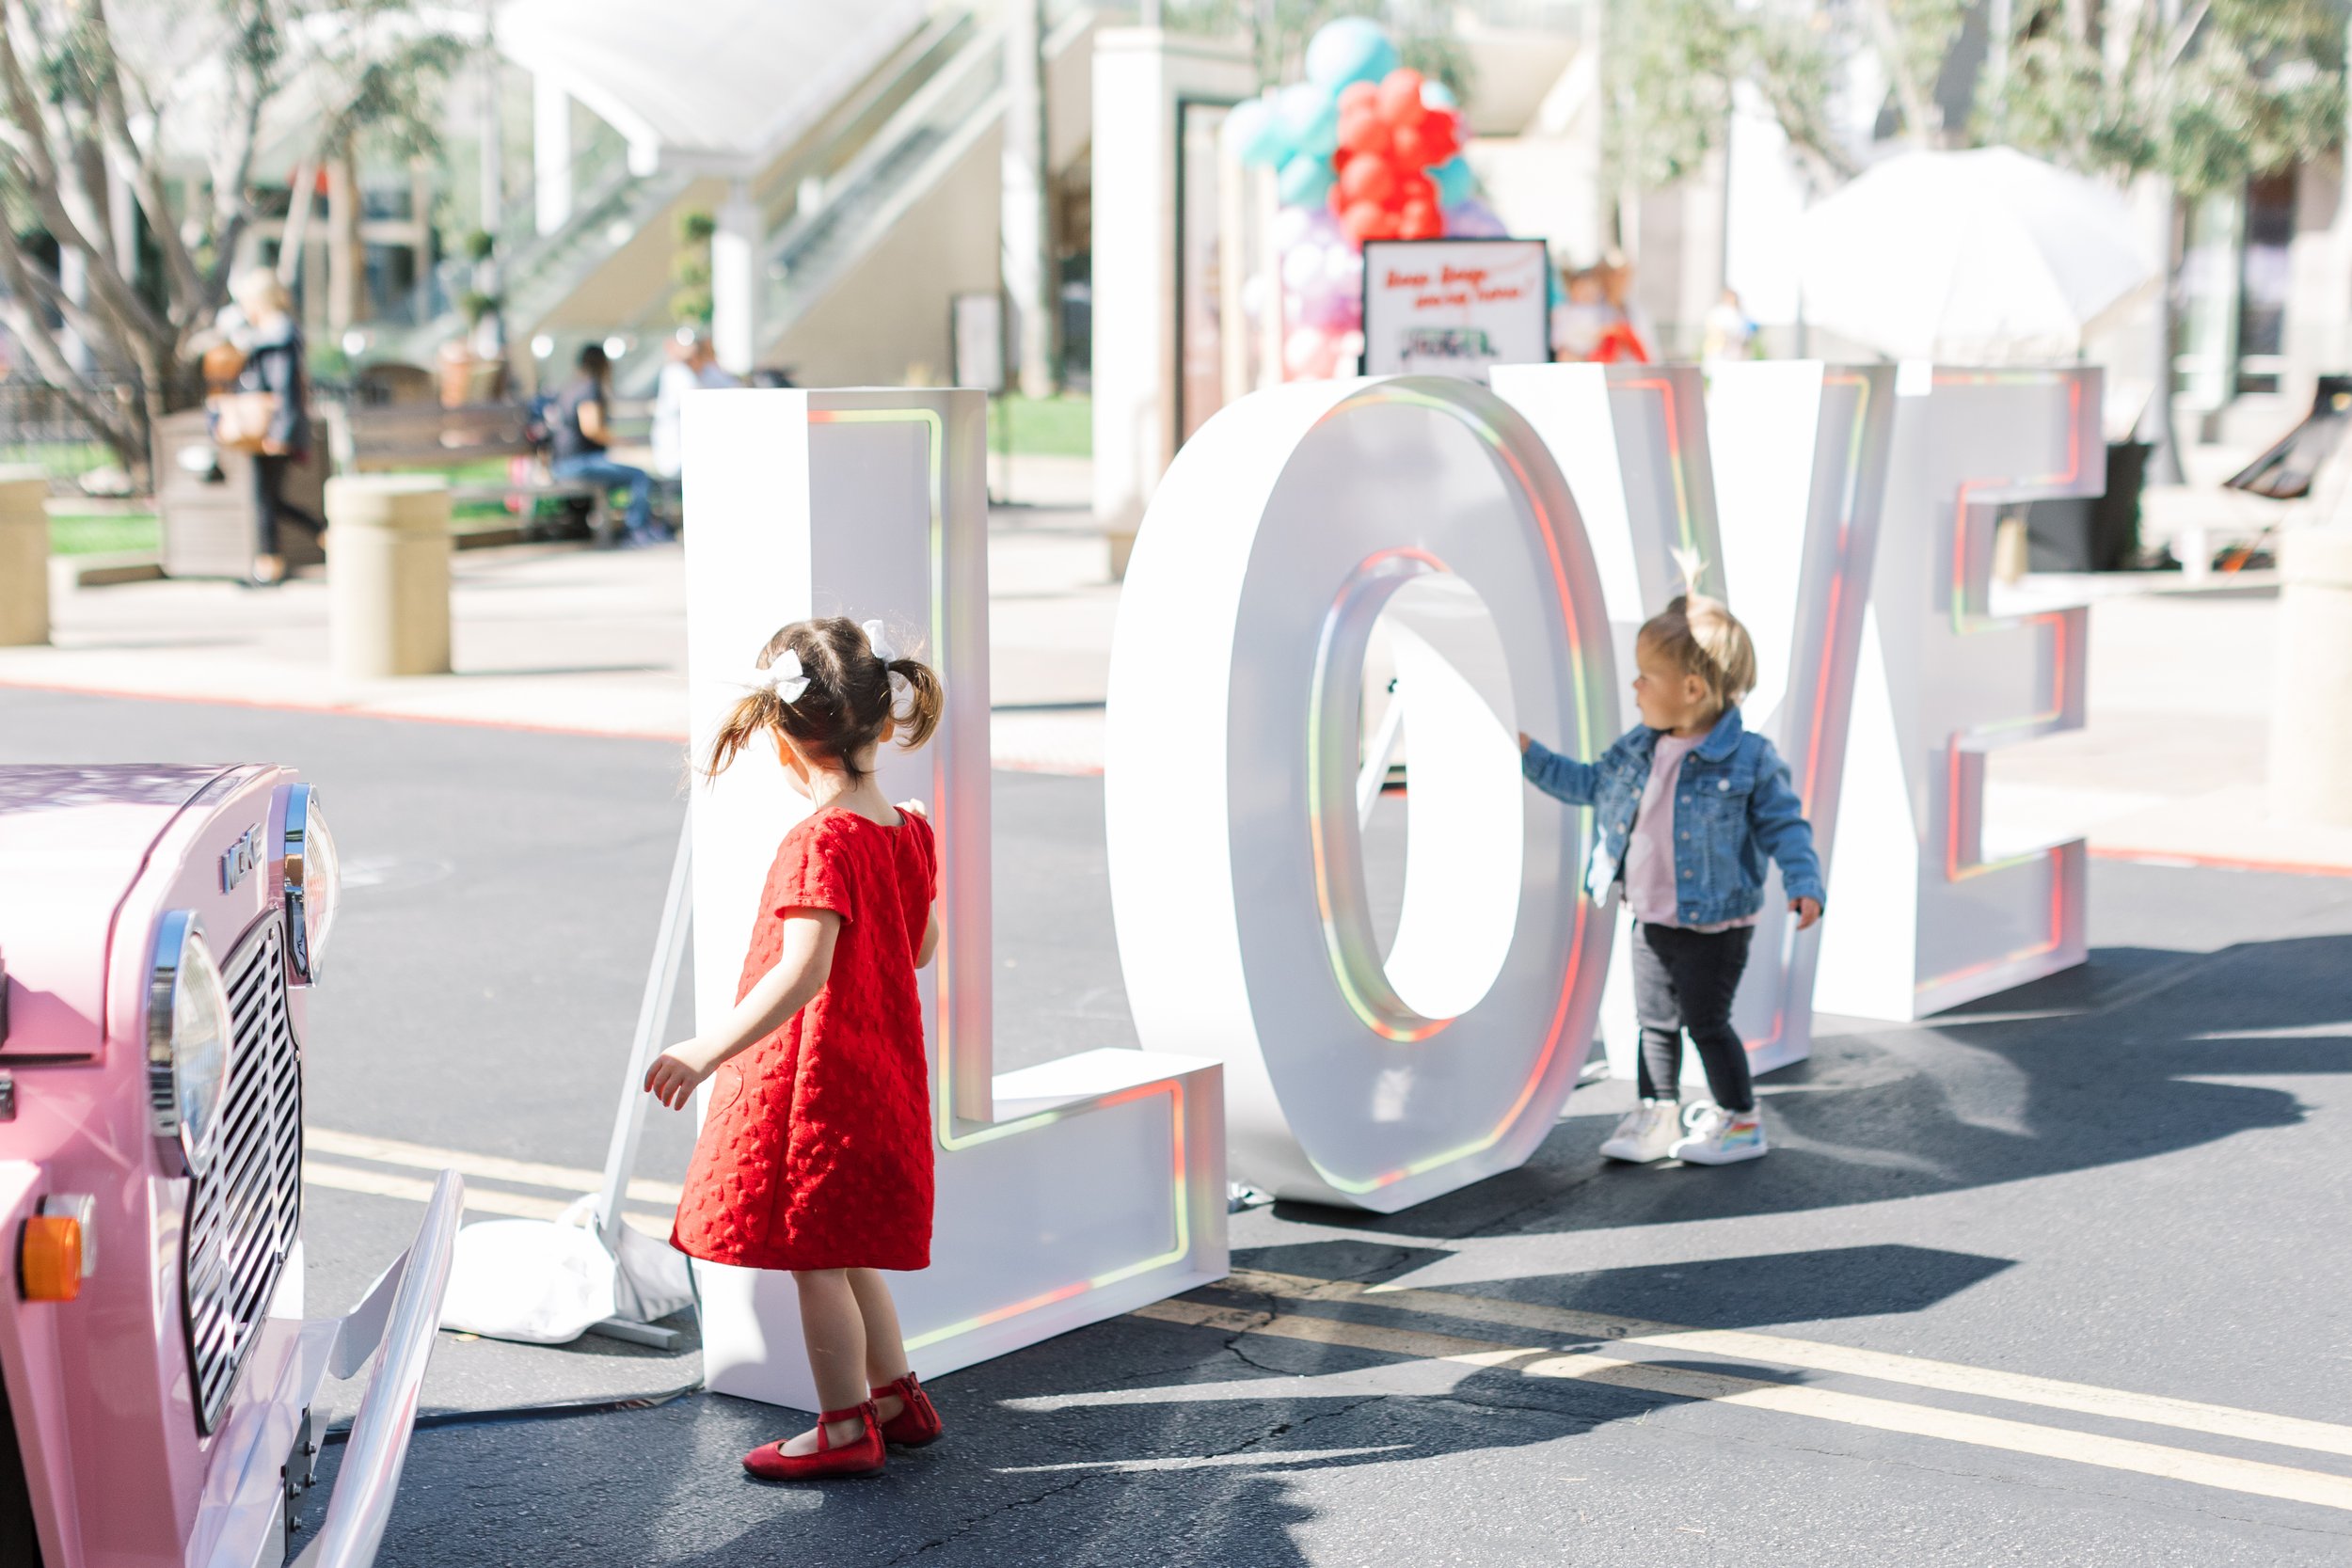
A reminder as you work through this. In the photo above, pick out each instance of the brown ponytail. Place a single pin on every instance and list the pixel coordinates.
(848, 699)
(928, 701)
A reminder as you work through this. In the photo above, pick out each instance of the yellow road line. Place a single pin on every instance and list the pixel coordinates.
(2247, 1475)
(570, 1178)
(486, 1200)
(1882, 1365)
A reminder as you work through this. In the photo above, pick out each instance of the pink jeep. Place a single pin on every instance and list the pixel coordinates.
(159, 926)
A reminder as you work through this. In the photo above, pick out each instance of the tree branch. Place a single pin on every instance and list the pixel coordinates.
(1916, 119)
(50, 192)
(141, 167)
(49, 356)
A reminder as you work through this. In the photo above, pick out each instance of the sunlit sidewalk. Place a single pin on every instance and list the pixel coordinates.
(563, 638)
(2171, 766)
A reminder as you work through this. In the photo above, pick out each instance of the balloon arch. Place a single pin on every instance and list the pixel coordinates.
(1364, 149)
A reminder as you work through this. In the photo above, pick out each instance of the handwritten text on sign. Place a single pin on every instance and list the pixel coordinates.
(1453, 306)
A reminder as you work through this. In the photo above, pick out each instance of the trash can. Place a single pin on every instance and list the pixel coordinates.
(388, 575)
(24, 556)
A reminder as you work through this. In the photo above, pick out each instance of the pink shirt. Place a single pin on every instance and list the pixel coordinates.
(1650, 889)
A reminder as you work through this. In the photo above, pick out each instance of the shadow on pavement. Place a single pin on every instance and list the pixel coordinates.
(2109, 1063)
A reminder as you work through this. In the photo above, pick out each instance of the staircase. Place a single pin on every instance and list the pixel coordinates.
(899, 167)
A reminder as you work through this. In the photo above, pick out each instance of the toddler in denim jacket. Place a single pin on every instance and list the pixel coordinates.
(1689, 803)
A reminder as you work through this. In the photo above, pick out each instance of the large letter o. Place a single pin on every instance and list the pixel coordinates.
(1283, 528)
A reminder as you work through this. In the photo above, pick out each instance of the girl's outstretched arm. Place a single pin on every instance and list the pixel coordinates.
(800, 974)
(1562, 778)
(930, 940)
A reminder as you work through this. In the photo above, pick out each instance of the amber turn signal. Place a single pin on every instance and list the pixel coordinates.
(48, 1259)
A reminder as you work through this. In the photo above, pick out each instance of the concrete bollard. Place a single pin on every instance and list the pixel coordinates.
(23, 557)
(388, 575)
(2310, 725)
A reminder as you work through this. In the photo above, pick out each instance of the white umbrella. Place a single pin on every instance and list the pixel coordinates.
(1987, 256)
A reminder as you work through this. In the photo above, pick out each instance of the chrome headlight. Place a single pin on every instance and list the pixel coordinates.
(188, 1037)
(313, 882)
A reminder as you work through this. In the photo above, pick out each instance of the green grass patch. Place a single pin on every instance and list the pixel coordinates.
(1042, 427)
(110, 533)
(60, 458)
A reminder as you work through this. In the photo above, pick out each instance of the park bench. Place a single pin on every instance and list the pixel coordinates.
(412, 435)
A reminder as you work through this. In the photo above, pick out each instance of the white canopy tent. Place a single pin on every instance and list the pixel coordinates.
(1984, 256)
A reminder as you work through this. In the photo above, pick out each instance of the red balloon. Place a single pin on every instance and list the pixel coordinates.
(1416, 187)
(1359, 95)
(1419, 220)
(1400, 95)
(1385, 227)
(1369, 180)
(1440, 138)
(1411, 146)
(1360, 219)
(1337, 199)
(1364, 131)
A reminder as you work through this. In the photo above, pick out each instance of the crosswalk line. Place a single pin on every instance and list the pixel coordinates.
(484, 1200)
(392, 1151)
(2251, 1477)
(1813, 1356)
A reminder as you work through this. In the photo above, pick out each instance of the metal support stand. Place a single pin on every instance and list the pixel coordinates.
(629, 1120)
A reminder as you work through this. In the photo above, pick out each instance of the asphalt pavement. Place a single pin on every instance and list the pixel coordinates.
(2054, 1280)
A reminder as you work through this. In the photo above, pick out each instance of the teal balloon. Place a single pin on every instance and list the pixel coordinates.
(1349, 50)
(1306, 180)
(1437, 95)
(1254, 133)
(1454, 181)
(1310, 115)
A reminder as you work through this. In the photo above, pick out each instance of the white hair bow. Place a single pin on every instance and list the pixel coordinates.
(901, 690)
(784, 676)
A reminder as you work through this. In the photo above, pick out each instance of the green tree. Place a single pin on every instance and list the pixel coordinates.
(2207, 96)
(101, 97)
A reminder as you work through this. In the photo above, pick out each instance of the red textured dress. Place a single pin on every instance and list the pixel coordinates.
(817, 1151)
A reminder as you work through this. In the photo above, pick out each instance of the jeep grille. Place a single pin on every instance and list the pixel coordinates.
(245, 1213)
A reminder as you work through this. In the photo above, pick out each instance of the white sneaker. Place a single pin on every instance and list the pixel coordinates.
(1646, 1132)
(1721, 1137)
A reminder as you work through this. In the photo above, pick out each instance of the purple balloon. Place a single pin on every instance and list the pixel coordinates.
(1329, 306)
(1474, 220)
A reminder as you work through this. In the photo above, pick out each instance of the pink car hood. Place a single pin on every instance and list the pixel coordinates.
(72, 840)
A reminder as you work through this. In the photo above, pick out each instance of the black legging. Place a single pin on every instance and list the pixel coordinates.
(1685, 980)
(270, 503)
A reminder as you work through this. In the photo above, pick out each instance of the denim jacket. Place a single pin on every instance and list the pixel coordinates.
(1733, 806)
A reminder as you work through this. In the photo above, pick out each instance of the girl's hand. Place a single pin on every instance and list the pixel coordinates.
(674, 1076)
(1807, 911)
(915, 808)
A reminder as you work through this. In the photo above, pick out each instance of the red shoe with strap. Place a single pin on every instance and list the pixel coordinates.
(917, 1424)
(862, 1457)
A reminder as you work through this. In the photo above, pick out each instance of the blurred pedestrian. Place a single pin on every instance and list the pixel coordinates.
(266, 414)
(690, 364)
(1691, 802)
(1578, 321)
(580, 433)
(1622, 340)
(1730, 331)
(816, 1154)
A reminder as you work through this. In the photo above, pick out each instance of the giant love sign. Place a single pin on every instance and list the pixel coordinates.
(1843, 512)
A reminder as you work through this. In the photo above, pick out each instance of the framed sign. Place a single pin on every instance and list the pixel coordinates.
(1455, 307)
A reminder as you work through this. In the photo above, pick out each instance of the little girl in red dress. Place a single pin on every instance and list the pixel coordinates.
(815, 1156)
